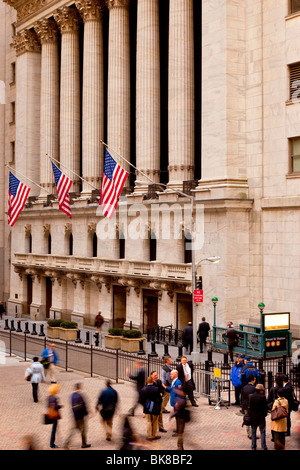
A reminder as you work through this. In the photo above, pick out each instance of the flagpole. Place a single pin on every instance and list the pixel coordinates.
(82, 179)
(129, 163)
(16, 171)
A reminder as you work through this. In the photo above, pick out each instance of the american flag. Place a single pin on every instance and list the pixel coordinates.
(63, 185)
(17, 195)
(113, 180)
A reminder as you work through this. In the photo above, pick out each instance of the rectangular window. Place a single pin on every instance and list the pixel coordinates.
(295, 155)
(295, 6)
(294, 71)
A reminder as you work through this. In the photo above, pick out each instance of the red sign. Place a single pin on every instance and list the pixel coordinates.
(198, 295)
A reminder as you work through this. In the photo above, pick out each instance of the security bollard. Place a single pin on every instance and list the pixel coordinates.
(225, 365)
(6, 324)
(87, 338)
(26, 331)
(96, 336)
(41, 330)
(141, 351)
(12, 325)
(34, 329)
(19, 330)
(153, 352)
(209, 357)
(180, 348)
(166, 350)
(78, 339)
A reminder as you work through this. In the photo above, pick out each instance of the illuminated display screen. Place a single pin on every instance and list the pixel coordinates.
(276, 321)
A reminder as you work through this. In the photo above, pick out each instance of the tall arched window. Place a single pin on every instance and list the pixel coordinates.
(49, 244)
(121, 245)
(152, 246)
(95, 243)
(187, 248)
(71, 244)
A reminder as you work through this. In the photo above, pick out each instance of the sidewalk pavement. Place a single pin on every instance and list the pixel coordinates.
(210, 428)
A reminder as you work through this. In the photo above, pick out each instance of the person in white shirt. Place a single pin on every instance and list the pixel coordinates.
(37, 375)
(185, 375)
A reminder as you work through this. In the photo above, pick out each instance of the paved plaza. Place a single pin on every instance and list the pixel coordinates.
(209, 429)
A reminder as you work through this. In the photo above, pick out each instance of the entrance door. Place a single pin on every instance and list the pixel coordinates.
(119, 306)
(150, 309)
(48, 296)
(29, 293)
(184, 310)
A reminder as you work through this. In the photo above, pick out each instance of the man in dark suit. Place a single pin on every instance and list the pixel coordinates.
(151, 400)
(247, 390)
(140, 378)
(289, 395)
(185, 375)
(258, 410)
(187, 338)
(158, 383)
(203, 331)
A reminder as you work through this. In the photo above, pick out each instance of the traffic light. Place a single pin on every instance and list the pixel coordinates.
(199, 283)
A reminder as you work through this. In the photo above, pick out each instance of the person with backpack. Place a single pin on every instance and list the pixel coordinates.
(236, 378)
(79, 410)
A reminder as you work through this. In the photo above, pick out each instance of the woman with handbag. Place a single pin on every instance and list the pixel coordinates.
(35, 374)
(53, 413)
(279, 415)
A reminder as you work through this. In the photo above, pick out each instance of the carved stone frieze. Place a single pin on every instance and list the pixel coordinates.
(92, 227)
(27, 229)
(90, 9)
(47, 30)
(26, 41)
(68, 228)
(117, 3)
(67, 19)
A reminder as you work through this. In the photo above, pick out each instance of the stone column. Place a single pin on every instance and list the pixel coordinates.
(148, 90)
(92, 95)
(118, 100)
(181, 92)
(70, 113)
(28, 88)
(49, 135)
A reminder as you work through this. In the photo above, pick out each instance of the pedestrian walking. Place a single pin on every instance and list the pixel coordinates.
(236, 378)
(203, 332)
(139, 377)
(247, 390)
(181, 415)
(79, 410)
(106, 406)
(99, 320)
(175, 390)
(53, 412)
(232, 338)
(185, 375)
(279, 427)
(129, 439)
(37, 375)
(258, 410)
(290, 396)
(165, 374)
(49, 360)
(187, 338)
(158, 383)
(151, 399)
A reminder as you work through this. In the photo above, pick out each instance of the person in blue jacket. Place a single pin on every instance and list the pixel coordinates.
(236, 378)
(249, 369)
(49, 360)
(175, 390)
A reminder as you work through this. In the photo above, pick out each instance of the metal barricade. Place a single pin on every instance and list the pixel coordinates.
(215, 389)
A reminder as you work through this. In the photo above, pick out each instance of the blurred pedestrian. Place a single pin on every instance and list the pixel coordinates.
(165, 374)
(80, 412)
(236, 378)
(258, 410)
(289, 395)
(203, 332)
(37, 375)
(187, 338)
(106, 405)
(53, 412)
(129, 439)
(139, 377)
(50, 360)
(185, 375)
(99, 320)
(181, 415)
(151, 399)
(279, 427)
(158, 383)
(273, 394)
(233, 339)
(247, 390)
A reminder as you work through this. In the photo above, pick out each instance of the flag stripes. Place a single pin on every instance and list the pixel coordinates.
(63, 185)
(113, 180)
(17, 195)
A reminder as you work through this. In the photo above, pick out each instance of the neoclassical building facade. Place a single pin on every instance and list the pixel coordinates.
(192, 98)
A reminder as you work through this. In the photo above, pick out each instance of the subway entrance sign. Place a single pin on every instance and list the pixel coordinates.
(276, 332)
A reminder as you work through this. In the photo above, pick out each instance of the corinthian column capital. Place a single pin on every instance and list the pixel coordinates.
(26, 41)
(46, 30)
(117, 3)
(90, 9)
(67, 19)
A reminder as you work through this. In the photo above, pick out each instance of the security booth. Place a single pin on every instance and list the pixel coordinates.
(269, 340)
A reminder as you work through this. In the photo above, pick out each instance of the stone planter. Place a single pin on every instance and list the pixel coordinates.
(68, 334)
(112, 342)
(53, 332)
(132, 345)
